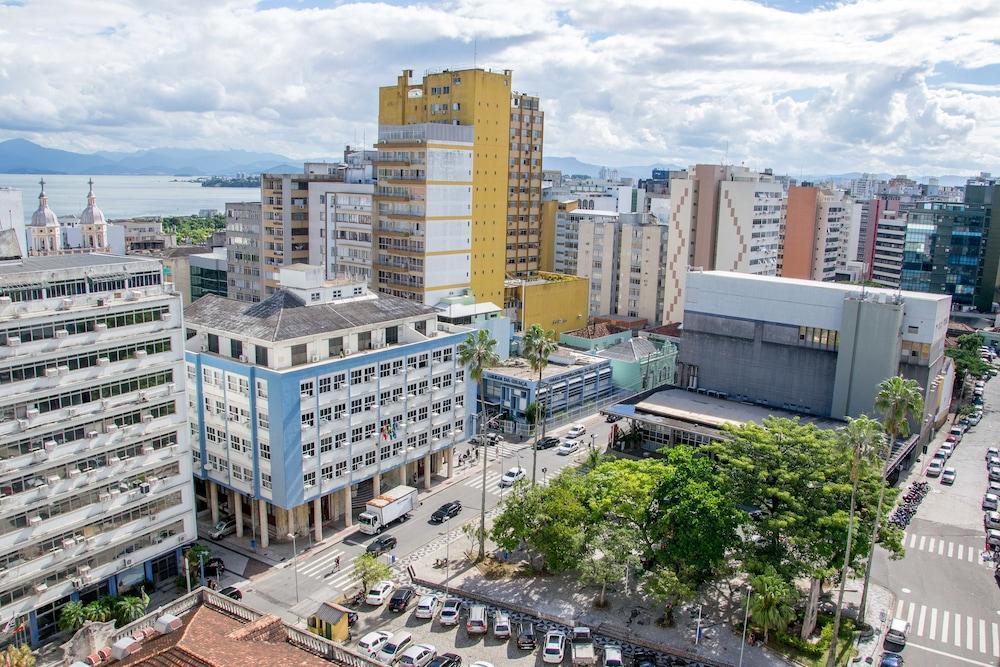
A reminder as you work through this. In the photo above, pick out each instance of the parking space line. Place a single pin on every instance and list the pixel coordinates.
(968, 632)
(909, 613)
(982, 636)
(930, 545)
(913, 540)
(996, 640)
(945, 626)
(899, 609)
(933, 633)
(920, 622)
(961, 551)
(923, 540)
(951, 549)
(958, 630)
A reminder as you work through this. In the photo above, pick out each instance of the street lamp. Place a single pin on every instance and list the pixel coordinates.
(201, 563)
(746, 619)
(295, 566)
(592, 437)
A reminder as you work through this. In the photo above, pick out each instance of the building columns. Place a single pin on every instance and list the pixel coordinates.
(427, 471)
(238, 511)
(318, 520)
(377, 484)
(331, 505)
(265, 537)
(290, 513)
(348, 517)
(213, 500)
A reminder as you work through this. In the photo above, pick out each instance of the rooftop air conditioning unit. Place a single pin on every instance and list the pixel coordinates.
(51, 372)
(243, 358)
(104, 497)
(41, 588)
(49, 445)
(35, 520)
(32, 413)
(141, 354)
(100, 326)
(62, 333)
(77, 583)
(103, 361)
(93, 434)
(74, 473)
(111, 428)
(132, 295)
(22, 424)
(65, 304)
(147, 418)
(5, 300)
(13, 341)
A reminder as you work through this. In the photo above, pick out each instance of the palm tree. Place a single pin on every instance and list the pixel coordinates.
(898, 400)
(477, 353)
(71, 617)
(99, 610)
(860, 437)
(770, 605)
(18, 656)
(537, 346)
(130, 609)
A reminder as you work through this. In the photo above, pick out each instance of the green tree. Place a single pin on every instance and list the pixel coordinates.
(100, 610)
(370, 569)
(538, 344)
(193, 229)
(968, 362)
(860, 437)
(667, 587)
(130, 608)
(515, 525)
(194, 557)
(478, 353)
(898, 401)
(71, 617)
(18, 656)
(771, 601)
(609, 554)
(620, 491)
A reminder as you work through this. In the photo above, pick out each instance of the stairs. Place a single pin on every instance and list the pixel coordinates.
(364, 493)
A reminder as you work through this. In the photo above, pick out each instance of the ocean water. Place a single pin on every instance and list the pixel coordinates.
(125, 196)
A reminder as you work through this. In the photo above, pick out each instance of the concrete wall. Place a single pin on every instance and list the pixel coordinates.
(869, 353)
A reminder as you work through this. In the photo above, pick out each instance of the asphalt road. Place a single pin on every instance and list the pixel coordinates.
(317, 574)
(944, 586)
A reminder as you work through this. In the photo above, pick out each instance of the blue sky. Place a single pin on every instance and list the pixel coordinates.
(800, 86)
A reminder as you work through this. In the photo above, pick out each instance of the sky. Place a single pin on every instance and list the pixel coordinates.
(899, 86)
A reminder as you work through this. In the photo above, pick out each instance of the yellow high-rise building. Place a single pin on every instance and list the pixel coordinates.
(481, 99)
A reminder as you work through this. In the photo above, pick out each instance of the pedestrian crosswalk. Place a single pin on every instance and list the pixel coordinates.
(950, 628)
(324, 570)
(965, 550)
(492, 481)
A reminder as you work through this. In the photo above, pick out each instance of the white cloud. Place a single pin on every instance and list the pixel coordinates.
(869, 85)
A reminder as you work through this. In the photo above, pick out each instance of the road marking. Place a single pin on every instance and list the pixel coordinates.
(923, 540)
(933, 631)
(996, 640)
(930, 545)
(971, 552)
(958, 630)
(941, 547)
(982, 636)
(909, 613)
(968, 632)
(920, 623)
(906, 591)
(913, 540)
(951, 549)
(945, 626)
(948, 655)
(961, 551)
(899, 609)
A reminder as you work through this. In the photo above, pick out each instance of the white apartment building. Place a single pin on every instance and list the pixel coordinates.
(887, 256)
(822, 234)
(595, 194)
(95, 466)
(340, 228)
(307, 404)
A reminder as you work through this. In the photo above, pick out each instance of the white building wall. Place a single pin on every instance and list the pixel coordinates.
(12, 215)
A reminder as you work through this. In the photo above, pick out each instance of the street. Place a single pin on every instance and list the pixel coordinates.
(944, 586)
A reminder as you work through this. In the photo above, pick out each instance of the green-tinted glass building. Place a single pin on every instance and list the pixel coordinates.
(949, 248)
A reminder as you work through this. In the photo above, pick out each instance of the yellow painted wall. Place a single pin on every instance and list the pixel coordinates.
(547, 245)
(483, 100)
(561, 305)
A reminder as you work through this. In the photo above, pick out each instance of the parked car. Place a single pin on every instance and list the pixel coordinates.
(476, 624)
(555, 647)
(568, 447)
(427, 605)
(993, 537)
(450, 611)
(992, 520)
(526, 637)
(225, 526)
(993, 486)
(995, 474)
(394, 647)
(935, 468)
(379, 593)
(947, 448)
(548, 442)
(613, 656)
(611, 419)
(990, 501)
(232, 592)
(991, 452)
(371, 643)
(417, 655)
(446, 660)
(975, 417)
(447, 511)
(948, 476)
(380, 545)
(576, 430)
(957, 432)
(501, 626)
(512, 476)
(644, 659)
(401, 599)
(993, 461)
(891, 660)
(951, 439)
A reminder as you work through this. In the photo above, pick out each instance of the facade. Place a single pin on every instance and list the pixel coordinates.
(90, 232)
(95, 474)
(340, 226)
(950, 250)
(822, 228)
(638, 363)
(208, 273)
(570, 381)
(304, 403)
(145, 235)
(524, 195)
(807, 346)
(480, 100)
(243, 239)
(553, 301)
(888, 249)
(598, 194)
(12, 215)
(721, 218)
(423, 234)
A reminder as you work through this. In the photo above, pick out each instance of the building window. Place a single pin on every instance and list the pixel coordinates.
(299, 355)
(265, 480)
(364, 341)
(308, 449)
(236, 349)
(309, 479)
(391, 335)
(260, 355)
(213, 343)
(336, 346)
(265, 450)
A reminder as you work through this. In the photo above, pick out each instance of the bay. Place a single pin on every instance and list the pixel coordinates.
(124, 196)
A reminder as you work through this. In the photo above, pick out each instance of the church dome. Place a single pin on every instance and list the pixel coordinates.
(43, 215)
(92, 215)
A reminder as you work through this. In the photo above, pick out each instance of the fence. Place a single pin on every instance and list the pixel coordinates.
(564, 417)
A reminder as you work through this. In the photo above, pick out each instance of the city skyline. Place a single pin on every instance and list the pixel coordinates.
(802, 87)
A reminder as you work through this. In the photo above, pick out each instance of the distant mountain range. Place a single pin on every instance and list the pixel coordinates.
(570, 165)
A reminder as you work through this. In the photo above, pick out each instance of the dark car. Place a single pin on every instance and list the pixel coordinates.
(611, 419)
(446, 660)
(381, 545)
(644, 659)
(548, 442)
(447, 511)
(232, 592)
(400, 600)
(891, 660)
(526, 637)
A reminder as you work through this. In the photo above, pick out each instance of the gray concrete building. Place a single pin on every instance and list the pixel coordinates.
(243, 238)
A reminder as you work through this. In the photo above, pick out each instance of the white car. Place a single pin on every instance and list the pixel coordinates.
(501, 626)
(418, 655)
(935, 468)
(991, 452)
(450, 612)
(990, 501)
(613, 656)
(948, 476)
(991, 520)
(379, 593)
(372, 642)
(427, 605)
(995, 474)
(513, 475)
(576, 430)
(993, 537)
(947, 448)
(993, 461)
(975, 418)
(481, 663)
(555, 647)
(568, 447)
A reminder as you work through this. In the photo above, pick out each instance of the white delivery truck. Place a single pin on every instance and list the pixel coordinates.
(582, 647)
(391, 506)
